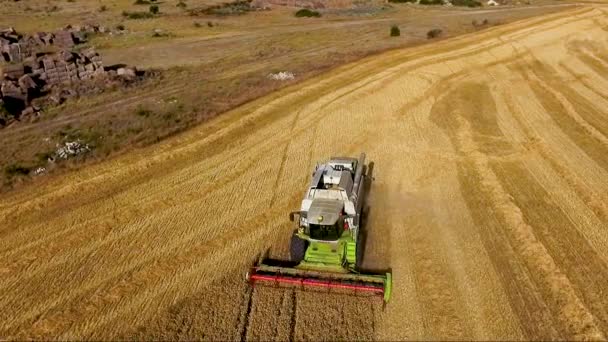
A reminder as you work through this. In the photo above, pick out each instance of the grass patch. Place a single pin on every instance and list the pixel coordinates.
(306, 13)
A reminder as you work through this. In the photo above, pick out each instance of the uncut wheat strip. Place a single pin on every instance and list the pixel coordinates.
(123, 240)
(233, 255)
(101, 296)
(177, 192)
(112, 237)
(112, 261)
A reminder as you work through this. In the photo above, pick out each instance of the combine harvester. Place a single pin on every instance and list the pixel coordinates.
(325, 247)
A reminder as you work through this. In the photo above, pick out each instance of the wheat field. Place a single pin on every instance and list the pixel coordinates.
(489, 204)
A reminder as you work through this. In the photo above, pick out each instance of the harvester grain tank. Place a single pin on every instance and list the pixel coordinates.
(325, 247)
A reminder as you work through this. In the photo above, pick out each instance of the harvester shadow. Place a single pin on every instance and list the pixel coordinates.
(365, 228)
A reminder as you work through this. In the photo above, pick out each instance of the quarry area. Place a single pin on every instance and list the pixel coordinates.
(151, 156)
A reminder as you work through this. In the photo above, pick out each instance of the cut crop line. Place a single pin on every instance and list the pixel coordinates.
(571, 311)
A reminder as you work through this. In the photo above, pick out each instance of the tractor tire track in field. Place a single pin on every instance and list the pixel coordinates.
(490, 156)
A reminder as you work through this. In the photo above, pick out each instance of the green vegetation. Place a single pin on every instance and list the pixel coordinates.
(137, 15)
(143, 112)
(4, 115)
(466, 3)
(306, 13)
(395, 32)
(233, 8)
(17, 170)
(431, 2)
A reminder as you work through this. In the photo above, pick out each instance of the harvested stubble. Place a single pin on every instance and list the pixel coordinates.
(489, 203)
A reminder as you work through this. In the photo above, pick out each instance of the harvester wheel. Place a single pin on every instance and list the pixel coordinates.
(297, 248)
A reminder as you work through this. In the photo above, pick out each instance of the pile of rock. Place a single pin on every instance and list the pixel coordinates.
(312, 4)
(15, 47)
(69, 66)
(28, 71)
(24, 81)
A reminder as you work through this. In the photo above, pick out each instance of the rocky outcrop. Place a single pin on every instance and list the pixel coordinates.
(29, 75)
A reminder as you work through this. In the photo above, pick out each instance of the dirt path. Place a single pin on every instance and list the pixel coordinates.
(489, 205)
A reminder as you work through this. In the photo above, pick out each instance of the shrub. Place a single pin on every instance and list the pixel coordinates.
(143, 112)
(120, 27)
(210, 24)
(17, 170)
(4, 115)
(137, 15)
(154, 9)
(305, 12)
(103, 8)
(197, 24)
(181, 4)
(395, 32)
(141, 2)
(433, 33)
(237, 7)
(467, 3)
(401, 1)
(431, 2)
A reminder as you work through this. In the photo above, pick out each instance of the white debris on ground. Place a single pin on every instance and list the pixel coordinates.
(492, 3)
(282, 76)
(39, 171)
(71, 149)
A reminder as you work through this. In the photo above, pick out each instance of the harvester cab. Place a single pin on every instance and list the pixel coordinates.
(326, 243)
